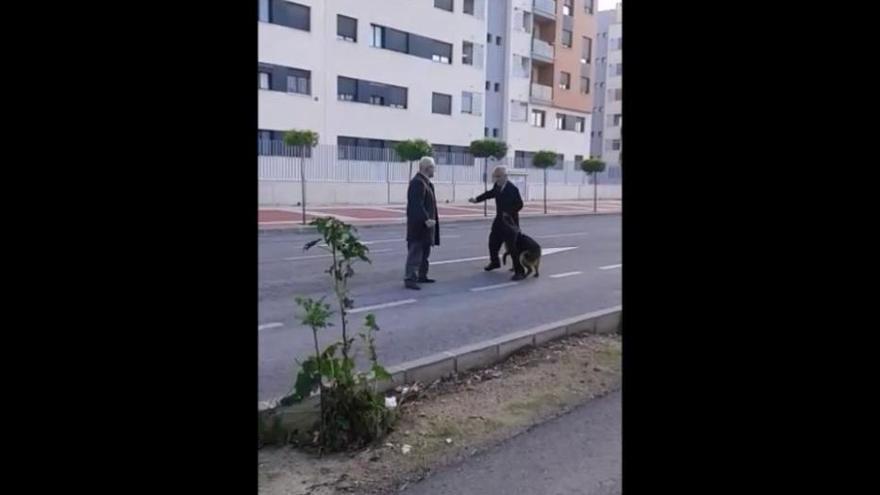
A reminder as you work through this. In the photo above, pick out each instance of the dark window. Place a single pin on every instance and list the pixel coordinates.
(579, 124)
(565, 80)
(523, 159)
(587, 50)
(284, 79)
(444, 4)
(486, 131)
(271, 143)
(538, 118)
(441, 104)
(290, 14)
(413, 44)
(497, 87)
(298, 83)
(566, 38)
(265, 10)
(498, 40)
(374, 93)
(495, 132)
(488, 37)
(346, 28)
(365, 149)
(453, 155)
(577, 161)
(588, 6)
(264, 80)
(467, 53)
(468, 7)
(488, 85)
(585, 85)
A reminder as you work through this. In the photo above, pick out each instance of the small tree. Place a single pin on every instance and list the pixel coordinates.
(544, 159)
(594, 167)
(412, 150)
(301, 140)
(484, 148)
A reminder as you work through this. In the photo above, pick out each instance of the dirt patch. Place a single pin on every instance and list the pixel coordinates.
(453, 419)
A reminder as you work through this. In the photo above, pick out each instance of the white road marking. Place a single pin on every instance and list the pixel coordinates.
(297, 258)
(610, 267)
(566, 274)
(496, 286)
(269, 325)
(544, 252)
(552, 236)
(383, 241)
(380, 306)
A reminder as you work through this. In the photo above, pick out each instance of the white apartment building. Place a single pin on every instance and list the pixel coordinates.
(608, 104)
(366, 74)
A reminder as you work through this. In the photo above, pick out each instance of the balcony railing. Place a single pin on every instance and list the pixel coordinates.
(542, 50)
(542, 93)
(546, 8)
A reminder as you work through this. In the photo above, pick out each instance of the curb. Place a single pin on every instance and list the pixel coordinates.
(297, 228)
(461, 359)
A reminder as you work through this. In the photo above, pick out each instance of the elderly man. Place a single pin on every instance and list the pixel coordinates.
(422, 225)
(507, 200)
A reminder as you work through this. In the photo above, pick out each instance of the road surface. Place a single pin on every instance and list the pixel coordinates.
(578, 453)
(581, 272)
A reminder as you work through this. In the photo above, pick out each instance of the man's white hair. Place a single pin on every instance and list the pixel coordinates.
(500, 169)
(425, 162)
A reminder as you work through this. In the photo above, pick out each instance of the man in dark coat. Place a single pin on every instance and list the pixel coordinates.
(422, 225)
(507, 200)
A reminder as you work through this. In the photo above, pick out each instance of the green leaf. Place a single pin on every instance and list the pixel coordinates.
(380, 372)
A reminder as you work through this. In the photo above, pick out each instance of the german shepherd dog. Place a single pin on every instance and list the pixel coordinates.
(520, 247)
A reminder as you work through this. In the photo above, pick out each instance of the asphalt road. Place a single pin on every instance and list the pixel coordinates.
(578, 453)
(463, 307)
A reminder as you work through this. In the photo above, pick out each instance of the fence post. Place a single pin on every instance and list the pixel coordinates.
(388, 180)
(453, 184)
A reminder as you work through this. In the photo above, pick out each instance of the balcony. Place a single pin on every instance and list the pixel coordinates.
(542, 94)
(545, 8)
(541, 50)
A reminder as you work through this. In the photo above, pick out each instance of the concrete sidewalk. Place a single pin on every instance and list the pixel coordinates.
(578, 453)
(287, 217)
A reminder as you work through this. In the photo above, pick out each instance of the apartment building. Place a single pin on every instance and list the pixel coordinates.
(606, 142)
(366, 74)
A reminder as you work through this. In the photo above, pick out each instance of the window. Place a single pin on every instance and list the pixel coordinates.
(617, 44)
(498, 40)
(467, 53)
(488, 85)
(471, 103)
(586, 50)
(527, 22)
(441, 104)
(488, 37)
(365, 149)
(567, 7)
(560, 121)
(585, 85)
(297, 83)
(497, 87)
(264, 80)
(565, 80)
(615, 94)
(566, 122)
(271, 143)
(588, 6)
(614, 120)
(288, 14)
(618, 70)
(444, 5)
(521, 66)
(615, 144)
(566, 38)
(519, 111)
(495, 132)
(265, 10)
(522, 159)
(538, 118)
(577, 161)
(370, 92)
(412, 44)
(346, 28)
(579, 123)
(486, 131)
(468, 7)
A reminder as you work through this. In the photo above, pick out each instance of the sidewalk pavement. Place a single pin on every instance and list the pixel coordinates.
(287, 217)
(578, 453)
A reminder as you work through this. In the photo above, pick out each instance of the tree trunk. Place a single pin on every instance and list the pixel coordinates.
(595, 191)
(302, 181)
(545, 191)
(485, 184)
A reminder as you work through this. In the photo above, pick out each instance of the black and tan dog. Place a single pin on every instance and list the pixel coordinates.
(524, 252)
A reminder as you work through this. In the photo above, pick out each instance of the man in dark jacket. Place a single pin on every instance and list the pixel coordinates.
(507, 200)
(422, 225)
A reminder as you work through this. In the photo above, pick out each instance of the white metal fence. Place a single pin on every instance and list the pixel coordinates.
(330, 163)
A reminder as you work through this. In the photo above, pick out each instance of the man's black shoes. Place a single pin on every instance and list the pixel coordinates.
(426, 280)
(492, 266)
(518, 276)
(411, 284)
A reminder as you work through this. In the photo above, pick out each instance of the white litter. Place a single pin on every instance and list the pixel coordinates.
(405, 449)
(390, 402)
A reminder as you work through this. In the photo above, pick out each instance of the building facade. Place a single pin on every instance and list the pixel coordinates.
(366, 74)
(606, 141)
